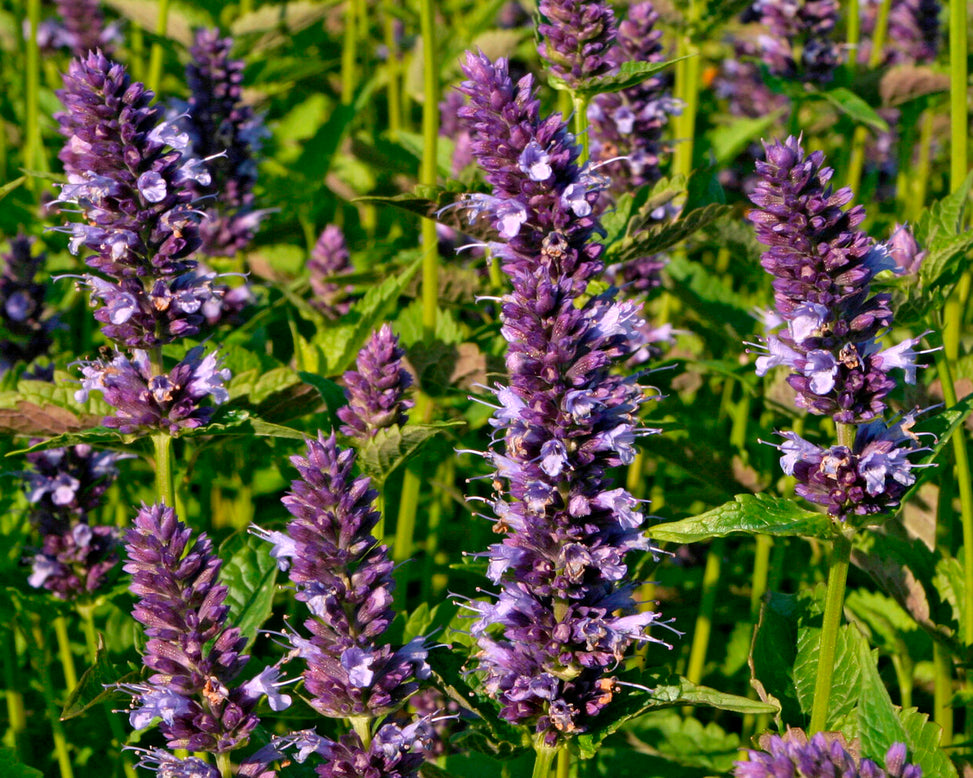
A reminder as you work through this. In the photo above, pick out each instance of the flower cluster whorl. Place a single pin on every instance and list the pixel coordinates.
(565, 609)
(807, 23)
(577, 37)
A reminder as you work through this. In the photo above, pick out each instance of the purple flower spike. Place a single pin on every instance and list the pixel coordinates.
(564, 617)
(224, 136)
(84, 27)
(193, 654)
(823, 267)
(344, 576)
(166, 765)
(395, 752)
(577, 36)
(166, 401)
(375, 390)
(329, 258)
(807, 23)
(26, 334)
(124, 175)
(826, 753)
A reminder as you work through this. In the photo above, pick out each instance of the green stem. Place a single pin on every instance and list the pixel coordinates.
(761, 572)
(16, 711)
(581, 126)
(943, 692)
(224, 764)
(563, 763)
(405, 525)
(707, 606)
(427, 173)
(687, 89)
(393, 69)
(64, 653)
(348, 46)
(958, 110)
(904, 678)
(543, 760)
(363, 727)
(833, 606)
(32, 137)
(924, 166)
(42, 656)
(961, 455)
(164, 489)
(155, 56)
(853, 17)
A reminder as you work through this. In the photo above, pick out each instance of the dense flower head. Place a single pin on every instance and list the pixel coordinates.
(26, 333)
(629, 124)
(166, 765)
(193, 654)
(376, 389)
(75, 559)
(808, 24)
(147, 401)
(224, 136)
(871, 477)
(913, 34)
(344, 576)
(740, 83)
(330, 258)
(127, 174)
(823, 267)
(564, 616)
(825, 754)
(576, 38)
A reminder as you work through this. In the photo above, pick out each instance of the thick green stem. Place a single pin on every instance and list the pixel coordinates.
(224, 764)
(853, 22)
(761, 572)
(687, 89)
(32, 135)
(164, 488)
(393, 70)
(155, 56)
(42, 657)
(707, 606)
(958, 109)
(427, 173)
(363, 727)
(64, 653)
(943, 692)
(563, 763)
(348, 46)
(923, 167)
(833, 606)
(543, 760)
(16, 711)
(581, 126)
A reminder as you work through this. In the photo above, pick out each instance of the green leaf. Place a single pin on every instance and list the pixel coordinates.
(664, 692)
(98, 436)
(752, 514)
(619, 221)
(44, 408)
(629, 74)
(944, 264)
(855, 108)
(942, 220)
(442, 205)
(249, 573)
(337, 346)
(11, 185)
(943, 425)
(392, 447)
(685, 741)
(661, 236)
(729, 140)
(923, 738)
(91, 686)
(12, 767)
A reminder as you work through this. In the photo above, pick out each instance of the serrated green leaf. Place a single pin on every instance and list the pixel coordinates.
(923, 740)
(12, 767)
(243, 423)
(629, 74)
(942, 220)
(685, 741)
(98, 436)
(91, 685)
(728, 141)
(665, 692)
(664, 235)
(337, 346)
(855, 108)
(751, 514)
(249, 573)
(440, 204)
(943, 265)
(392, 447)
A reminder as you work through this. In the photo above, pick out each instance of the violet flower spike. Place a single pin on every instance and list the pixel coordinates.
(194, 655)
(344, 576)
(826, 753)
(565, 611)
(26, 332)
(375, 390)
(329, 258)
(576, 38)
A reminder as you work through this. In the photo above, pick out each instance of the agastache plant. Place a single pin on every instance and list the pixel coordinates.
(564, 617)
(576, 39)
(130, 179)
(194, 656)
(376, 389)
(794, 756)
(344, 576)
(804, 25)
(329, 258)
(225, 135)
(823, 267)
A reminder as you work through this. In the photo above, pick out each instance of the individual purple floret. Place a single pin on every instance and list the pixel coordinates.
(63, 486)
(904, 250)
(576, 38)
(126, 173)
(869, 478)
(192, 653)
(330, 259)
(564, 618)
(26, 333)
(808, 24)
(375, 390)
(344, 576)
(822, 267)
(224, 137)
(166, 765)
(826, 754)
(629, 124)
(84, 27)
(145, 402)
